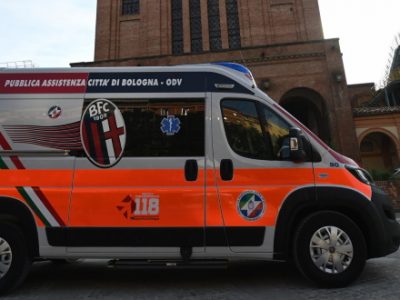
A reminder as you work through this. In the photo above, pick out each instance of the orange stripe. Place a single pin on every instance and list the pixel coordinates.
(41, 178)
(14, 194)
(341, 177)
(125, 178)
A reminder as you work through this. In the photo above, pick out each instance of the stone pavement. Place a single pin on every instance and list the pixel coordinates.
(92, 279)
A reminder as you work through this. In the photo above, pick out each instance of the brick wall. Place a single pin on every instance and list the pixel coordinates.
(148, 33)
(282, 43)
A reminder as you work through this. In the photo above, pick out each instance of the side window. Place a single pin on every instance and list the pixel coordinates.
(163, 127)
(277, 130)
(243, 128)
(255, 131)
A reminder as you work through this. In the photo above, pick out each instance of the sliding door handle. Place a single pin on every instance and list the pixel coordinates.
(226, 169)
(191, 170)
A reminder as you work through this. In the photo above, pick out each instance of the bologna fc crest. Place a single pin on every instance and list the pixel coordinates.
(54, 112)
(251, 205)
(103, 133)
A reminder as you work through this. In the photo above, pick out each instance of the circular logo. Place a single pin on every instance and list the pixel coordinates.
(54, 112)
(251, 205)
(103, 133)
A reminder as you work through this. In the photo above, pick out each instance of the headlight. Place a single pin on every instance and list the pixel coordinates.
(360, 174)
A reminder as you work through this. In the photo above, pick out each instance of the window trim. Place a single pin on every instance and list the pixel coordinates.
(313, 155)
(258, 117)
(177, 98)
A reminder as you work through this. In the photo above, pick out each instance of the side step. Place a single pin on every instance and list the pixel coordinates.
(168, 264)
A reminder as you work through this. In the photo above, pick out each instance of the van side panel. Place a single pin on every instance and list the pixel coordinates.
(29, 173)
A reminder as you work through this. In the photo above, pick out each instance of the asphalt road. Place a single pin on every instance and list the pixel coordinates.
(92, 279)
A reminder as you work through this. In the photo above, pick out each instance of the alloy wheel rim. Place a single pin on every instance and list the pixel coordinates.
(5, 257)
(331, 250)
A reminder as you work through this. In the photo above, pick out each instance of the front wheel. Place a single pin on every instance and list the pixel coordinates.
(14, 259)
(329, 249)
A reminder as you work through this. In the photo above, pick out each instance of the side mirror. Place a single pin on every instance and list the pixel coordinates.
(297, 153)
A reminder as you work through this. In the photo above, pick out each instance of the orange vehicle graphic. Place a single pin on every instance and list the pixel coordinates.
(185, 164)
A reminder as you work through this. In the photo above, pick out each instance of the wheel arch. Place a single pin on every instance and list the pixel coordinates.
(308, 200)
(16, 212)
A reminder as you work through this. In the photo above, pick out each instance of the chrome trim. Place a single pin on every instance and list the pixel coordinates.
(331, 250)
(34, 153)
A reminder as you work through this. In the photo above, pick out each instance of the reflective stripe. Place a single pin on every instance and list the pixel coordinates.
(33, 196)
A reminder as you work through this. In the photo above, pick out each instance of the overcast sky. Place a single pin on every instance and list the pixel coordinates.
(53, 33)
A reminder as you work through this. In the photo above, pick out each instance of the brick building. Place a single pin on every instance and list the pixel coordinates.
(281, 41)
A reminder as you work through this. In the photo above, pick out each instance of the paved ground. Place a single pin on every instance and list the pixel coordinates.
(93, 279)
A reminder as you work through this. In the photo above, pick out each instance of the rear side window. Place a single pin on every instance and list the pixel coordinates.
(255, 131)
(163, 127)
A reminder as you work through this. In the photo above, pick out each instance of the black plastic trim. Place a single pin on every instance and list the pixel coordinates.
(154, 237)
(382, 234)
(15, 212)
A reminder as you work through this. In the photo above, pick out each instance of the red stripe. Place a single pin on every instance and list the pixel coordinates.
(6, 146)
(18, 164)
(97, 143)
(3, 143)
(114, 135)
(85, 138)
(46, 203)
(256, 211)
(43, 83)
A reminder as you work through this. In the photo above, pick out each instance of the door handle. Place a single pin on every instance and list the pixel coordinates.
(226, 169)
(191, 170)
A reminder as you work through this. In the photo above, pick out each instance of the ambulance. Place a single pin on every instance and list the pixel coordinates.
(178, 166)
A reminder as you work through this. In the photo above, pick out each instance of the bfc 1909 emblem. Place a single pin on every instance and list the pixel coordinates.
(103, 133)
(251, 205)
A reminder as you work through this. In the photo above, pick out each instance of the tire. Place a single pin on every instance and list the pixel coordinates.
(320, 259)
(15, 260)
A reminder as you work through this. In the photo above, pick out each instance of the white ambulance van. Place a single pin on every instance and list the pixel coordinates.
(187, 164)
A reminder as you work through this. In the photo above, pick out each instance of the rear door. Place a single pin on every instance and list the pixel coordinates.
(253, 178)
(139, 186)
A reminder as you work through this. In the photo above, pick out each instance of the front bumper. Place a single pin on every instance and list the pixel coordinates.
(385, 234)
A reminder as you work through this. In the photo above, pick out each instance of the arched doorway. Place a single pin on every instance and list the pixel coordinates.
(379, 154)
(309, 108)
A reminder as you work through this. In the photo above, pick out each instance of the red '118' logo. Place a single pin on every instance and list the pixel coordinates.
(141, 207)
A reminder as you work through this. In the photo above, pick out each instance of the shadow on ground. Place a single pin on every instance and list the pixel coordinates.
(260, 280)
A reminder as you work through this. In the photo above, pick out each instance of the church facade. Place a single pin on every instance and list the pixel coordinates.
(280, 41)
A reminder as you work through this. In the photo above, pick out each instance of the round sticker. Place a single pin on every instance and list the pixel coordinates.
(54, 112)
(103, 133)
(251, 205)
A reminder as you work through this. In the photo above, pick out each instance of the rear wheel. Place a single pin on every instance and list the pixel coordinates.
(14, 258)
(329, 249)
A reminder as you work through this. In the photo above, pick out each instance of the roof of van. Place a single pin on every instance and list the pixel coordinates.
(181, 78)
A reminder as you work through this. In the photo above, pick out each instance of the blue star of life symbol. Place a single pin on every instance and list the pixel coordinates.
(170, 125)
